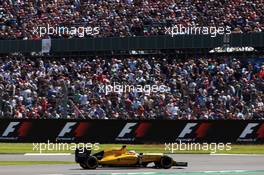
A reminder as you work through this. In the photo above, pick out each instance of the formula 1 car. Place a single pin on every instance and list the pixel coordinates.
(123, 158)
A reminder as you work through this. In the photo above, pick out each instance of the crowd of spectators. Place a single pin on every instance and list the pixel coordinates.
(19, 18)
(197, 88)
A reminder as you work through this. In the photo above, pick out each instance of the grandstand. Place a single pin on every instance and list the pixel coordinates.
(204, 88)
(127, 17)
(205, 77)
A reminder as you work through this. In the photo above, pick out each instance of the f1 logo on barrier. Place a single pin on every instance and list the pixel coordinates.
(14, 130)
(67, 128)
(127, 129)
(193, 131)
(131, 131)
(71, 130)
(252, 132)
(187, 129)
(10, 128)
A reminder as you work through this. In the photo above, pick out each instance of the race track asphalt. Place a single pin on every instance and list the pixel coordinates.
(199, 164)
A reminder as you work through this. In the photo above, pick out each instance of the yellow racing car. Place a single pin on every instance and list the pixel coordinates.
(123, 158)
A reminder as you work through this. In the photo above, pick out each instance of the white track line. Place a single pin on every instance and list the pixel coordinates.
(215, 154)
(47, 154)
(226, 171)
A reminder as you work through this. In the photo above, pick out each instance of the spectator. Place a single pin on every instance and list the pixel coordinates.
(210, 88)
(261, 73)
(19, 19)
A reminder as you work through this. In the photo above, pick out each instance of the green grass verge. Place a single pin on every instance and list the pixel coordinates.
(21, 148)
(4, 163)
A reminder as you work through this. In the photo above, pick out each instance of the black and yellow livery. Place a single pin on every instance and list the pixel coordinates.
(122, 157)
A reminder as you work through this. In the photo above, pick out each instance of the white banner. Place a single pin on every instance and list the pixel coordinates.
(46, 45)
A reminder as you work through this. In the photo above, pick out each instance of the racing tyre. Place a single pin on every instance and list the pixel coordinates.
(91, 162)
(83, 165)
(166, 162)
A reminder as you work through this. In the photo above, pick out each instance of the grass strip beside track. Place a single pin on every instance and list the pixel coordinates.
(22, 148)
(5, 163)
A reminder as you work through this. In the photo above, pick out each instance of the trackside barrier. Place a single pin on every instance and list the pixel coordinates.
(254, 39)
(131, 131)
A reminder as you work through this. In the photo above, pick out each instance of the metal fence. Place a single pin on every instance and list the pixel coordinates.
(135, 43)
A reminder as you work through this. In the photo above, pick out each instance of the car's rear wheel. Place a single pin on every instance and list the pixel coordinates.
(83, 165)
(166, 162)
(90, 163)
